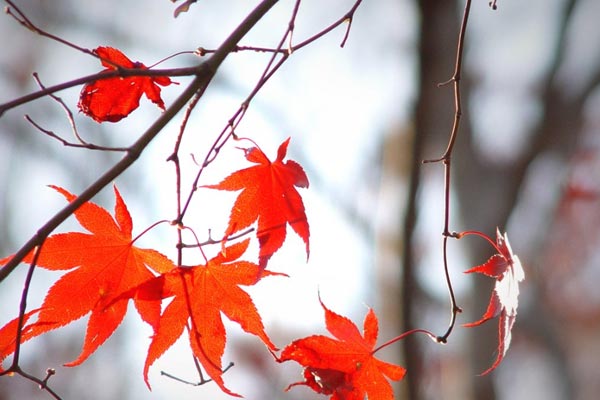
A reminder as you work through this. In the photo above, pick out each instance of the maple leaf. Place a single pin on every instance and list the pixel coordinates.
(506, 268)
(269, 196)
(103, 264)
(113, 99)
(200, 294)
(344, 367)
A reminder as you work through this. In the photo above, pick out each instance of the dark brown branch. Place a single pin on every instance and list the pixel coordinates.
(446, 159)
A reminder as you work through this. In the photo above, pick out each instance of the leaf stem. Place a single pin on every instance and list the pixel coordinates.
(481, 235)
(404, 335)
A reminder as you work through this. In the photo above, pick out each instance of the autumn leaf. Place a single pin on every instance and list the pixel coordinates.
(268, 195)
(113, 99)
(344, 367)
(506, 268)
(102, 265)
(200, 294)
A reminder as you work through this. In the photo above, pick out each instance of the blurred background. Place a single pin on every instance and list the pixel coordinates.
(362, 119)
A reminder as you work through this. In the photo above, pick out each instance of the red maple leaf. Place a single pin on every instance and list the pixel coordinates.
(200, 294)
(113, 99)
(345, 367)
(269, 196)
(506, 268)
(103, 264)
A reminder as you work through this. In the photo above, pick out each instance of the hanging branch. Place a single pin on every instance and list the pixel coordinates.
(446, 159)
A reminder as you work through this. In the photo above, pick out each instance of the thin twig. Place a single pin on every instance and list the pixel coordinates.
(82, 143)
(22, 19)
(174, 157)
(202, 380)
(43, 383)
(446, 159)
(211, 241)
(23, 305)
(404, 335)
(201, 51)
(64, 142)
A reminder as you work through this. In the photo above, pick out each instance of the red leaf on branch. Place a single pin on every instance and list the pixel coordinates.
(506, 268)
(103, 265)
(200, 294)
(269, 196)
(113, 99)
(344, 367)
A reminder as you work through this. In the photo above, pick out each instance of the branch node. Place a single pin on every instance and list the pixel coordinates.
(49, 373)
(347, 33)
(432, 160)
(445, 83)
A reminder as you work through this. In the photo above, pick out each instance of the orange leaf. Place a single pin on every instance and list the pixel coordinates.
(113, 99)
(269, 196)
(103, 265)
(201, 294)
(344, 367)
